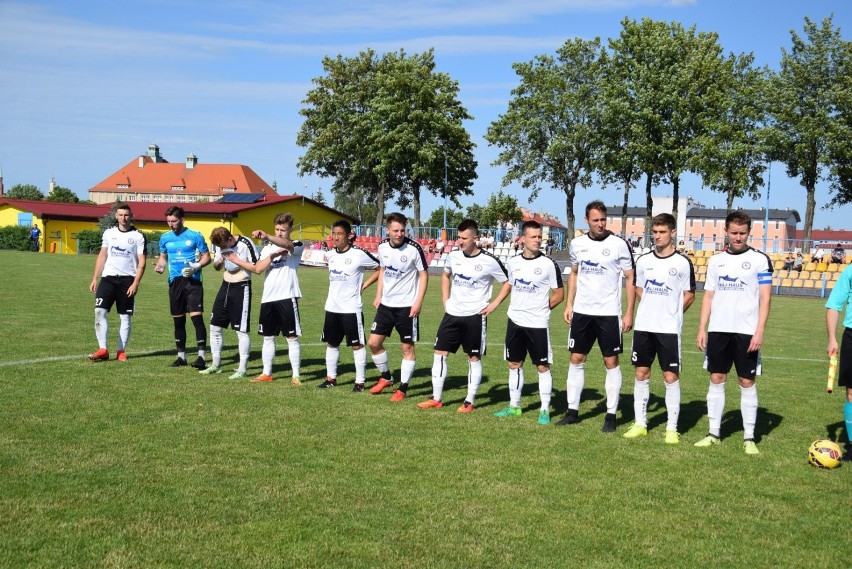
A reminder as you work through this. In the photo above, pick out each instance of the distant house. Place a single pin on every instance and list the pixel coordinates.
(153, 179)
(60, 222)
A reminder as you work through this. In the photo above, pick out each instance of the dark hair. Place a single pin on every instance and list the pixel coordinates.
(666, 219)
(596, 204)
(125, 207)
(531, 224)
(738, 218)
(467, 224)
(284, 219)
(176, 211)
(396, 217)
(344, 224)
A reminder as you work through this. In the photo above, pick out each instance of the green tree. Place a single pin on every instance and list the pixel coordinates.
(318, 197)
(355, 203)
(25, 192)
(809, 123)
(61, 194)
(732, 158)
(454, 217)
(840, 147)
(547, 135)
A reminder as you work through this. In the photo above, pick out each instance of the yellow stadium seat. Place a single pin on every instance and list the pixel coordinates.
(822, 267)
(700, 262)
(830, 285)
(810, 283)
(776, 282)
(778, 265)
(834, 276)
(786, 282)
(702, 269)
(833, 267)
(775, 256)
(795, 274)
(810, 266)
(805, 275)
(797, 283)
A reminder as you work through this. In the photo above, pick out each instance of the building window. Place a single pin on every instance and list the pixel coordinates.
(131, 198)
(146, 198)
(181, 199)
(158, 198)
(122, 186)
(229, 190)
(178, 188)
(191, 199)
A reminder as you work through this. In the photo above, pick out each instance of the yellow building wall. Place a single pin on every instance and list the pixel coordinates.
(57, 235)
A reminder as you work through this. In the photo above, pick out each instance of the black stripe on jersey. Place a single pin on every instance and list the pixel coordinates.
(248, 243)
(691, 271)
(555, 266)
(142, 233)
(370, 255)
(417, 246)
(500, 263)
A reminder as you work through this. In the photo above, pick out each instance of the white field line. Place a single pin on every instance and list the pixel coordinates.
(133, 353)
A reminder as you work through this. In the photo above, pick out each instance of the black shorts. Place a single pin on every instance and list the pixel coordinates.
(844, 374)
(232, 306)
(339, 325)
(387, 319)
(586, 329)
(726, 349)
(279, 317)
(113, 290)
(650, 345)
(469, 332)
(186, 295)
(521, 341)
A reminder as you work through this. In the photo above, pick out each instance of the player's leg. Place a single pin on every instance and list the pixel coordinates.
(545, 389)
(720, 358)
(177, 305)
(218, 319)
(407, 366)
(407, 327)
(474, 339)
(195, 307)
(124, 306)
(383, 324)
(610, 343)
(447, 339)
(293, 329)
(359, 353)
(332, 335)
(581, 337)
(268, 326)
(104, 298)
(844, 379)
(746, 363)
(515, 352)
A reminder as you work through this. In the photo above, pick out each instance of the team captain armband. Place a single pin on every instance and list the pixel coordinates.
(764, 278)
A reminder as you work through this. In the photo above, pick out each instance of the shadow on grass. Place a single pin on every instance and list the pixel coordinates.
(837, 432)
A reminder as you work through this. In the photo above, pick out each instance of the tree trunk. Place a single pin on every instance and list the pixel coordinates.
(730, 204)
(675, 197)
(809, 218)
(380, 207)
(649, 205)
(570, 192)
(624, 205)
(415, 193)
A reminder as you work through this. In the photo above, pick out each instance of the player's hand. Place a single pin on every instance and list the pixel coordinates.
(701, 340)
(627, 323)
(259, 234)
(415, 310)
(190, 269)
(131, 290)
(831, 350)
(487, 310)
(159, 268)
(376, 302)
(569, 315)
(93, 287)
(756, 342)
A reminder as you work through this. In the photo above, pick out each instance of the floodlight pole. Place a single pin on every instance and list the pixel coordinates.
(445, 191)
(766, 210)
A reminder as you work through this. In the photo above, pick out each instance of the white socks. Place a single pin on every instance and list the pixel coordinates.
(612, 386)
(244, 344)
(672, 404)
(716, 406)
(406, 370)
(381, 362)
(216, 342)
(294, 352)
(439, 375)
(576, 379)
(360, 357)
(332, 356)
(101, 327)
(123, 331)
(267, 354)
(545, 388)
(516, 386)
(641, 393)
(748, 408)
(474, 378)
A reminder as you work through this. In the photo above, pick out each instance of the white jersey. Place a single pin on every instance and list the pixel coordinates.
(245, 250)
(598, 264)
(663, 281)
(532, 280)
(472, 281)
(401, 268)
(735, 280)
(345, 277)
(123, 250)
(281, 282)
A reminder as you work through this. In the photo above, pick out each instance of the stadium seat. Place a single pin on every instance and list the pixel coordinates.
(778, 265)
(805, 275)
(786, 282)
(797, 283)
(810, 267)
(776, 281)
(700, 262)
(822, 267)
(796, 274)
(833, 267)
(810, 283)
(830, 285)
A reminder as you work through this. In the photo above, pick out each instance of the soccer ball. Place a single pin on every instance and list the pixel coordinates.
(824, 453)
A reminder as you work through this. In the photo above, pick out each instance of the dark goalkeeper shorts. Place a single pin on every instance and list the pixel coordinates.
(844, 374)
(186, 295)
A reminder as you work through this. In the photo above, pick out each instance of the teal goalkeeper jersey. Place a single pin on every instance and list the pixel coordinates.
(841, 295)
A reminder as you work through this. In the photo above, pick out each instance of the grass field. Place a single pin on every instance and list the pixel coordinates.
(139, 465)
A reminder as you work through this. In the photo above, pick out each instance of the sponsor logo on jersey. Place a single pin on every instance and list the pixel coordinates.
(464, 281)
(727, 282)
(590, 268)
(520, 285)
(657, 287)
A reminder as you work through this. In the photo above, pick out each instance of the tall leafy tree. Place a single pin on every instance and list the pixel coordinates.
(62, 194)
(840, 147)
(436, 219)
(808, 115)
(731, 157)
(355, 202)
(422, 138)
(25, 192)
(547, 133)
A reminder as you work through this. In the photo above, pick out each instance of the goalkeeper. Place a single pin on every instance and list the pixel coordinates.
(186, 253)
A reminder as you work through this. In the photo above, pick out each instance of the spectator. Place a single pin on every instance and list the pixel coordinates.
(797, 264)
(548, 249)
(439, 246)
(789, 262)
(818, 255)
(35, 234)
(838, 255)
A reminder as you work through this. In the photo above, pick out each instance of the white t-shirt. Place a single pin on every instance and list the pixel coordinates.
(735, 280)
(599, 264)
(472, 281)
(401, 276)
(281, 282)
(345, 277)
(245, 250)
(123, 250)
(532, 280)
(663, 281)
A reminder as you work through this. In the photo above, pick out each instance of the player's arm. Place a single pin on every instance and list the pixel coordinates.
(373, 278)
(446, 280)
(421, 293)
(831, 318)
(140, 270)
(380, 286)
(283, 242)
(99, 268)
(571, 294)
(258, 267)
(762, 316)
(688, 299)
(219, 261)
(627, 320)
(703, 319)
(557, 295)
(160, 266)
(498, 300)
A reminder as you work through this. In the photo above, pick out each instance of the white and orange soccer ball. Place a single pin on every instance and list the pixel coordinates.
(824, 453)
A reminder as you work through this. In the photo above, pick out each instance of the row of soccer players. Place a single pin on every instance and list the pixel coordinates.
(733, 314)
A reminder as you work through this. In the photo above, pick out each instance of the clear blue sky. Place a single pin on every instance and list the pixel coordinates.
(87, 86)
